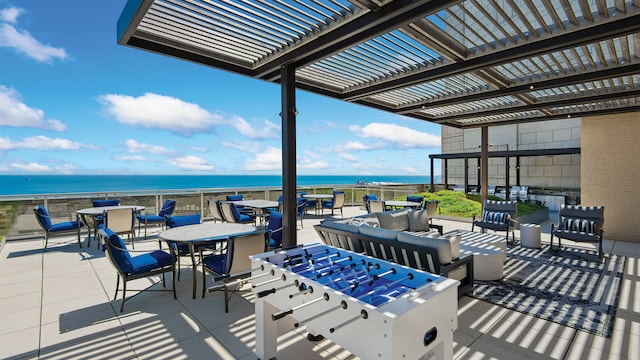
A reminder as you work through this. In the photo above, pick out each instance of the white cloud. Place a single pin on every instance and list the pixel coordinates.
(11, 14)
(268, 131)
(269, 158)
(30, 167)
(402, 136)
(43, 143)
(135, 147)
(15, 113)
(132, 158)
(159, 111)
(191, 162)
(409, 170)
(22, 42)
(313, 164)
(354, 146)
(67, 169)
(330, 124)
(347, 157)
(247, 146)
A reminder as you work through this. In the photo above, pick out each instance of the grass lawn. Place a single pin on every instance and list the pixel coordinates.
(454, 203)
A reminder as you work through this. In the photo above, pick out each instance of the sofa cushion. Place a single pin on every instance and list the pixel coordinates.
(394, 220)
(454, 241)
(418, 220)
(440, 244)
(342, 225)
(378, 232)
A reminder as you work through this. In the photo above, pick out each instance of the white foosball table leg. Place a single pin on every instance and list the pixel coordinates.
(266, 330)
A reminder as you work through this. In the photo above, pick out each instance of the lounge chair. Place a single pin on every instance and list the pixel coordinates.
(498, 216)
(580, 224)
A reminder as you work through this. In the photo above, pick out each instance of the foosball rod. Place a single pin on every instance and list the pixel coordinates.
(281, 314)
(342, 305)
(281, 278)
(363, 315)
(331, 263)
(388, 286)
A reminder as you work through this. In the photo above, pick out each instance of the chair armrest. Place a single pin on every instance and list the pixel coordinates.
(440, 228)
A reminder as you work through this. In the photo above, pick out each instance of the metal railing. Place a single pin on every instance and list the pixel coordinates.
(17, 219)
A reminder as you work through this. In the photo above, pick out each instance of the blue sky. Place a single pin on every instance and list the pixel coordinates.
(72, 101)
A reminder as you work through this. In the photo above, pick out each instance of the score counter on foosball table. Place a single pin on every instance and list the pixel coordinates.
(373, 308)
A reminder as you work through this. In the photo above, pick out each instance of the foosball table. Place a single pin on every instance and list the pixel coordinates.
(373, 308)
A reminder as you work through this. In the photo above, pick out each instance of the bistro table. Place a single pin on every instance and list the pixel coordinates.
(192, 235)
(94, 212)
(402, 203)
(319, 198)
(259, 205)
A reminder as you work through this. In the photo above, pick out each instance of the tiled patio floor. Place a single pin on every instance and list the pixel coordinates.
(57, 305)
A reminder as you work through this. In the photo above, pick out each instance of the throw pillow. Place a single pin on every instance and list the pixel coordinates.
(394, 220)
(419, 221)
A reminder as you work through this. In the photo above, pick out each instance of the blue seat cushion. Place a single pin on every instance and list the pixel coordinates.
(65, 226)
(108, 202)
(235, 197)
(150, 261)
(183, 220)
(216, 262)
(150, 218)
(121, 258)
(245, 218)
(327, 204)
(415, 198)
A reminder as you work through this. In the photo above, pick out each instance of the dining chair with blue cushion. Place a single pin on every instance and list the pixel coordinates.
(121, 221)
(167, 210)
(301, 210)
(230, 268)
(233, 215)
(177, 221)
(106, 202)
(274, 227)
(418, 199)
(44, 220)
(146, 264)
(336, 202)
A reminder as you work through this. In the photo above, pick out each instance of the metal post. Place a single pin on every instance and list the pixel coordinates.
(466, 175)
(432, 186)
(484, 163)
(289, 112)
(446, 174)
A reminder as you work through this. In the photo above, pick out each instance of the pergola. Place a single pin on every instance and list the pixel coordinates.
(474, 63)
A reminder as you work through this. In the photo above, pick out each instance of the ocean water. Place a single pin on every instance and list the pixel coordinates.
(58, 184)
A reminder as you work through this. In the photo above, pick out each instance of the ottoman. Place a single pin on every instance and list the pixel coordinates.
(530, 236)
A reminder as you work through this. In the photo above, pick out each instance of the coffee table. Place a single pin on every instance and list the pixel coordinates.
(489, 253)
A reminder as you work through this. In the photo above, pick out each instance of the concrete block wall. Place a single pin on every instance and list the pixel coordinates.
(559, 171)
(610, 172)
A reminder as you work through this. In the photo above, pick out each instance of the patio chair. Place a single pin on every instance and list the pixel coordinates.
(301, 210)
(498, 216)
(337, 202)
(234, 264)
(491, 190)
(180, 250)
(274, 227)
(366, 198)
(146, 219)
(44, 220)
(579, 224)
(431, 206)
(214, 209)
(242, 209)
(233, 215)
(418, 199)
(149, 263)
(376, 206)
(106, 202)
(514, 194)
(120, 221)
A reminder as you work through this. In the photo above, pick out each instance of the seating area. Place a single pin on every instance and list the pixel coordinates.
(76, 320)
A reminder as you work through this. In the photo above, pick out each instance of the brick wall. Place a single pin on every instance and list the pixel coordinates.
(610, 172)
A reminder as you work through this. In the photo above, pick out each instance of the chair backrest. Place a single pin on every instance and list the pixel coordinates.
(240, 248)
(510, 207)
(431, 206)
(120, 221)
(229, 211)
(106, 202)
(167, 208)
(338, 199)
(42, 215)
(117, 253)
(593, 215)
(302, 205)
(238, 197)
(491, 189)
(275, 227)
(376, 206)
(415, 198)
(183, 220)
(214, 209)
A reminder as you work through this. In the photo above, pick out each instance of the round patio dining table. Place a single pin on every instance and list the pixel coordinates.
(192, 235)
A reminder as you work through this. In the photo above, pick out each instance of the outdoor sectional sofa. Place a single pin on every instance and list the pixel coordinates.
(403, 237)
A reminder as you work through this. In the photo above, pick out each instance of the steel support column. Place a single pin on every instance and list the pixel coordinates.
(432, 188)
(288, 87)
(484, 163)
(466, 175)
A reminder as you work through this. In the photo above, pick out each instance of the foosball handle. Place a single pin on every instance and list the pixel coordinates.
(266, 292)
(281, 314)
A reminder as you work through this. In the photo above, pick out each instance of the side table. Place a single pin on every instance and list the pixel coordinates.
(530, 236)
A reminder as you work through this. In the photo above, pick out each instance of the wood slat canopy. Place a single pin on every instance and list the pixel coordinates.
(459, 63)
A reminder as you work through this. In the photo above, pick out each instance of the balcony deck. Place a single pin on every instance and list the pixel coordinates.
(57, 304)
